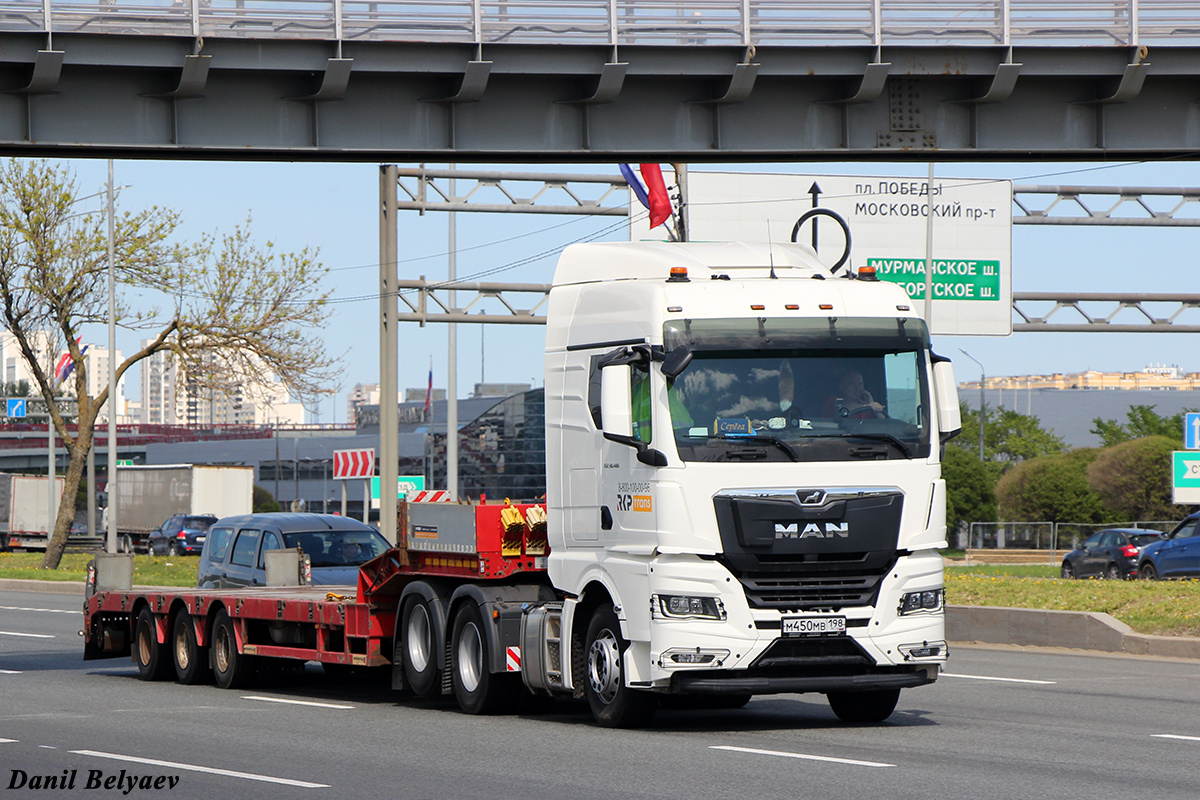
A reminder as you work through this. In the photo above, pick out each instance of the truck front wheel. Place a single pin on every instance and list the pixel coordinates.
(420, 653)
(875, 706)
(232, 670)
(478, 690)
(191, 660)
(613, 704)
(153, 659)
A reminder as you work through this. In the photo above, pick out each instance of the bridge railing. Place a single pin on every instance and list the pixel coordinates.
(630, 22)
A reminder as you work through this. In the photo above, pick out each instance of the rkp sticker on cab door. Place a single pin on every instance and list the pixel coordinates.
(634, 496)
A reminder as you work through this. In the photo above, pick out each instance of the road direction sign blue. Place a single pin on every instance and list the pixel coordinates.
(16, 407)
(1191, 431)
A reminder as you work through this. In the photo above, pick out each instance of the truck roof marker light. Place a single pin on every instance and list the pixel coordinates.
(904, 308)
(678, 275)
(826, 306)
(757, 307)
(674, 309)
(867, 274)
(792, 307)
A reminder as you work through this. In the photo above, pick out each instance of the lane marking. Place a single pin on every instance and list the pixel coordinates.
(30, 635)
(47, 747)
(1174, 736)
(47, 610)
(293, 702)
(804, 756)
(249, 776)
(7, 741)
(1003, 680)
(10, 672)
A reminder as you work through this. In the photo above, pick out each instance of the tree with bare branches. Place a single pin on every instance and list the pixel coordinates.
(228, 308)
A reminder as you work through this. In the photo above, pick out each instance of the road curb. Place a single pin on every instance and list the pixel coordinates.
(1080, 630)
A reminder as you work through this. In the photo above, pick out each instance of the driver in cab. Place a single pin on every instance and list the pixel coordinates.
(854, 401)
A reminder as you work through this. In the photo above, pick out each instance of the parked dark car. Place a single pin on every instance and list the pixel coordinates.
(1177, 555)
(235, 552)
(1111, 553)
(182, 534)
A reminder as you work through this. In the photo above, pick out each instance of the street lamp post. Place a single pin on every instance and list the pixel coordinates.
(982, 414)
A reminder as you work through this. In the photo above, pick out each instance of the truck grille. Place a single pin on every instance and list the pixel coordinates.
(811, 548)
(812, 585)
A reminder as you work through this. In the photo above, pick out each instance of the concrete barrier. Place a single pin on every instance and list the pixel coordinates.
(1080, 630)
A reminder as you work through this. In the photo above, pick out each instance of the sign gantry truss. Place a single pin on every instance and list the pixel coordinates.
(607, 195)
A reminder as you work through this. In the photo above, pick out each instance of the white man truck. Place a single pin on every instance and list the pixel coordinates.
(723, 519)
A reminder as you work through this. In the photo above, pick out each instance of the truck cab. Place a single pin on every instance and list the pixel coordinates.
(743, 469)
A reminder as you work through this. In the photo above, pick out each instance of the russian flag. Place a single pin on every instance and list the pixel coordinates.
(66, 364)
(653, 195)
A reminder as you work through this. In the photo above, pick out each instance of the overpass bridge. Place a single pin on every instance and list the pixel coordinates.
(600, 80)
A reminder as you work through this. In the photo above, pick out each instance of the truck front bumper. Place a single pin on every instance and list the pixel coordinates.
(740, 682)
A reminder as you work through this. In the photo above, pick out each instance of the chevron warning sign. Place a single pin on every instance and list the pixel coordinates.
(353, 463)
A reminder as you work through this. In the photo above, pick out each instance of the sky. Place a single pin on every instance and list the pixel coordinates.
(333, 208)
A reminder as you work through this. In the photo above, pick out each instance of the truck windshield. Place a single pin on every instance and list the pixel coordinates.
(833, 389)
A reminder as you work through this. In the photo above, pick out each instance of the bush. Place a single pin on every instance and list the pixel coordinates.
(1134, 478)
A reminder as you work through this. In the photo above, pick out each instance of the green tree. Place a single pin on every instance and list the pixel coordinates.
(1142, 421)
(232, 309)
(970, 489)
(1134, 478)
(1009, 437)
(263, 501)
(1052, 488)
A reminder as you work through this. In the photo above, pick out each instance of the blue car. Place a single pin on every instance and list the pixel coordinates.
(1176, 556)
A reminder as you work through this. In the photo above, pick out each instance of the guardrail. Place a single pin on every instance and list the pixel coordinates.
(745, 23)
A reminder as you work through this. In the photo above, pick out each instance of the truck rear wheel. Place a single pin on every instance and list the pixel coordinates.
(232, 670)
(153, 659)
(613, 704)
(420, 651)
(875, 706)
(478, 690)
(191, 660)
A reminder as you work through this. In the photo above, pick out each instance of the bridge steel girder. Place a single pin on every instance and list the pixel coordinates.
(274, 99)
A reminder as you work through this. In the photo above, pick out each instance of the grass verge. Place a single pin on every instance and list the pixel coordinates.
(147, 570)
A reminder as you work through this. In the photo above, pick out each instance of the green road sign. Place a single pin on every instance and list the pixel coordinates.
(1185, 476)
(953, 279)
(404, 485)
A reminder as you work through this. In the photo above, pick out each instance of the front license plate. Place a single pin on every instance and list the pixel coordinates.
(814, 626)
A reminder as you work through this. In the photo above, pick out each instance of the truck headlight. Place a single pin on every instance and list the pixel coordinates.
(678, 606)
(916, 602)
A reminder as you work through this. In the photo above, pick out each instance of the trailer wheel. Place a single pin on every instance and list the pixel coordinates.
(126, 544)
(153, 659)
(191, 660)
(864, 707)
(613, 704)
(232, 670)
(420, 651)
(478, 690)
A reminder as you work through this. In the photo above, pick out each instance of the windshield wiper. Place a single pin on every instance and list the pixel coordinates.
(791, 454)
(900, 444)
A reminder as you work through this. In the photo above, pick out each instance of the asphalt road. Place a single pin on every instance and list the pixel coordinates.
(1003, 723)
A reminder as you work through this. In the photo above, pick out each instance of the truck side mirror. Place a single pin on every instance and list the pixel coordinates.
(616, 411)
(945, 390)
(676, 361)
